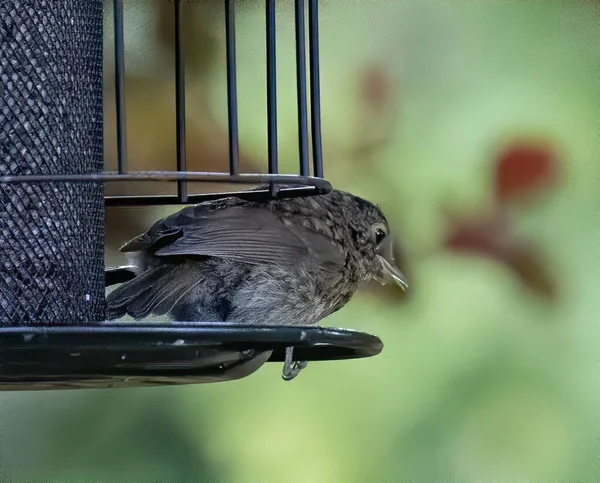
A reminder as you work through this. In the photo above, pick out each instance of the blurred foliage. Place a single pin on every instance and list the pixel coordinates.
(99, 434)
(475, 126)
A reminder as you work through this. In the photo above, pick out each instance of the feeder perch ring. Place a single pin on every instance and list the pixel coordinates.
(149, 354)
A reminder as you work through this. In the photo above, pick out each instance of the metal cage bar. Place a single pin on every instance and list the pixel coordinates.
(271, 87)
(182, 196)
(301, 86)
(232, 110)
(120, 85)
(315, 89)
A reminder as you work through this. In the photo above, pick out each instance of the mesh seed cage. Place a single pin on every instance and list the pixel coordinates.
(53, 279)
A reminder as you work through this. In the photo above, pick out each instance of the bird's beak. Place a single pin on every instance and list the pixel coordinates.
(389, 271)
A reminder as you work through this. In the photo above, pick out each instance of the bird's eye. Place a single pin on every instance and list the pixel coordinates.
(379, 235)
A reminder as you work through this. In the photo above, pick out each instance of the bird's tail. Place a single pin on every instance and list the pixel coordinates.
(154, 291)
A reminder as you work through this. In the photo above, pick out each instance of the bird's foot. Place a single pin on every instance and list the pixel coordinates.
(291, 368)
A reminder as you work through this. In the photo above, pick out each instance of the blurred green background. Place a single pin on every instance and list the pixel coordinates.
(475, 126)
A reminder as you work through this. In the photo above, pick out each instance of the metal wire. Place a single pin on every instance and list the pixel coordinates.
(232, 109)
(271, 87)
(294, 185)
(210, 177)
(182, 195)
(253, 195)
(301, 86)
(120, 85)
(315, 90)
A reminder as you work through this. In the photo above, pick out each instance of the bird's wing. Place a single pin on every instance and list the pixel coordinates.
(249, 234)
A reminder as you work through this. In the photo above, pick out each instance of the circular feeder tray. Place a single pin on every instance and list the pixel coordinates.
(150, 354)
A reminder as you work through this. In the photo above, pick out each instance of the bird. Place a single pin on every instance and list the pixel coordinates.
(290, 261)
(281, 261)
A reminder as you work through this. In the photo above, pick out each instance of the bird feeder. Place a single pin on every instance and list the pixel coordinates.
(52, 275)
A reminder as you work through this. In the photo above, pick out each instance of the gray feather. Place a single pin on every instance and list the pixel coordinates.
(251, 235)
(132, 297)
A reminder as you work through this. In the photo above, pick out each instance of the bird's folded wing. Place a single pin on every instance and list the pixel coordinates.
(249, 234)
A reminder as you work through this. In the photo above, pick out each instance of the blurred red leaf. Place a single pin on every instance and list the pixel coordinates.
(523, 168)
(490, 237)
(486, 236)
(529, 267)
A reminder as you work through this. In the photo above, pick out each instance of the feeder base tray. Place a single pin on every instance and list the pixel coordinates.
(144, 354)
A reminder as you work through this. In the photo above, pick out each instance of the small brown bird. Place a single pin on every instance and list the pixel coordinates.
(280, 262)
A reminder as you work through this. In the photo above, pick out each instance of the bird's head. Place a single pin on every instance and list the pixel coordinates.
(383, 253)
(369, 233)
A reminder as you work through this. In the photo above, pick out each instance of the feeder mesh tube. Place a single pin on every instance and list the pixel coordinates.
(51, 234)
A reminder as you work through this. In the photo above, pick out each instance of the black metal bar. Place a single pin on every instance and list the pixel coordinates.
(205, 176)
(180, 99)
(271, 87)
(301, 86)
(315, 91)
(120, 86)
(254, 195)
(232, 110)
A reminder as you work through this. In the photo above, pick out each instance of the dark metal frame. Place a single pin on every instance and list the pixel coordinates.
(127, 355)
(302, 185)
(133, 354)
